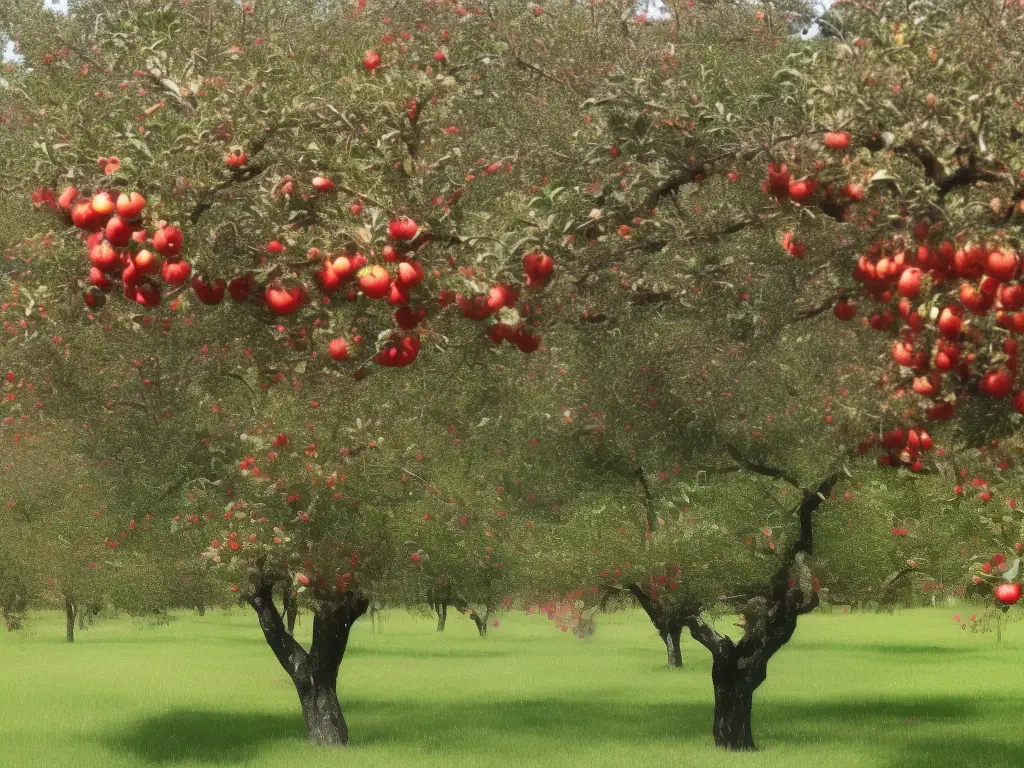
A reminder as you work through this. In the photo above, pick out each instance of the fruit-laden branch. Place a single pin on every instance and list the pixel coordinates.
(238, 176)
(965, 175)
(674, 182)
(653, 246)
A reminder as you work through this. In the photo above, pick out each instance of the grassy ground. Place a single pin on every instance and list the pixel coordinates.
(909, 691)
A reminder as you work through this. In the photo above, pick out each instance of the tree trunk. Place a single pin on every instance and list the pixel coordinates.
(81, 618)
(201, 609)
(442, 615)
(671, 636)
(314, 672)
(69, 615)
(291, 610)
(322, 712)
(734, 698)
(480, 621)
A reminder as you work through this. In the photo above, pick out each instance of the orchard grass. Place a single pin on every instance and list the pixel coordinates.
(910, 690)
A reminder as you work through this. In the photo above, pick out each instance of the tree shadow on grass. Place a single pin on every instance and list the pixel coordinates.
(219, 737)
(894, 649)
(883, 726)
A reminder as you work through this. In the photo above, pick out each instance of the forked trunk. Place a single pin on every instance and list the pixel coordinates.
(314, 672)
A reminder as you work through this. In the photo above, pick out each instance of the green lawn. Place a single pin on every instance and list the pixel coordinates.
(910, 690)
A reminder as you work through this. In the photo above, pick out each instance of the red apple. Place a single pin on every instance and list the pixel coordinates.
(403, 229)
(837, 140)
(168, 241)
(146, 263)
(344, 268)
(950, 322)
(100, 280)
(407, 318)
(398, 294)
(284, 301)
(909, 285)
(802, 189)
(845, 309)
(207, 293)
(371, 61)
(103, 203)
(338, 349)
(118, 231)
(410, 273)
(240, 288)
(1007, 594)
(85, 217)
(176, 272)
(1002, 264)
(104, 257)
(67, 198)
(376, 282)
(328, 279)
(129, 207)
(997, 383)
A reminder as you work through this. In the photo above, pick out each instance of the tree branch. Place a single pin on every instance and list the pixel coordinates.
(762, 469)
(651, 607)
(289, 653)
(707, 636)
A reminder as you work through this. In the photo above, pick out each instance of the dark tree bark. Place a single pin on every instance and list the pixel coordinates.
(439, 600)
(769, 619)
(480, 621)
(80, 610)
(291, 607)
(734, 700)
(69, 615)
(672, 637)
(201, 609)
(15, 603)
(314, 672)
(668, 621)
